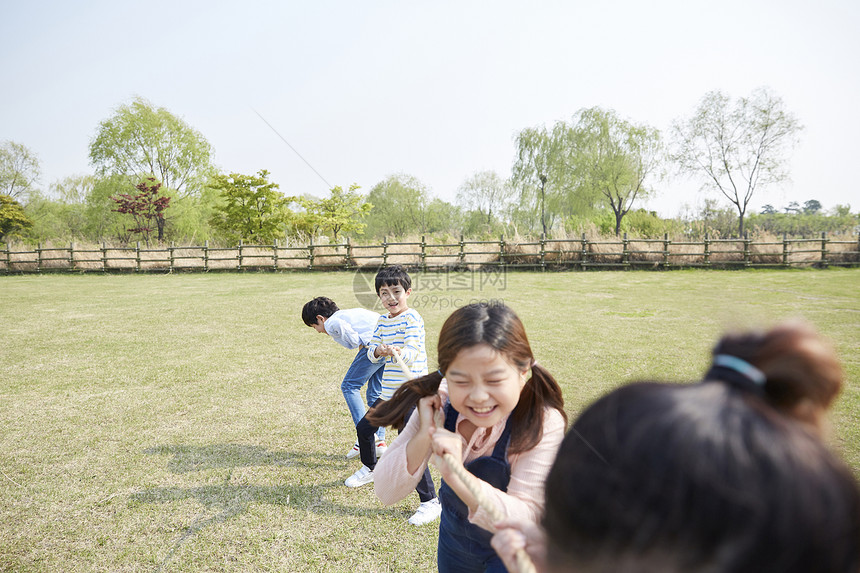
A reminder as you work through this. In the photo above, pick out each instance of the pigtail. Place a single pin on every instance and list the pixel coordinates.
(787, 366)
(393, 412)
(541, 391)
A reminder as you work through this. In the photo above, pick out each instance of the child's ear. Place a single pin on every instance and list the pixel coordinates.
(320, 318)
(409, 291)
(524, 378)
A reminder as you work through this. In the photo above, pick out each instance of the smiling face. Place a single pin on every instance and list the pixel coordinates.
(394, 298)
(483, 386)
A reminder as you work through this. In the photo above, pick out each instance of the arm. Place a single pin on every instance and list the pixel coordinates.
(365, 336)
(342, 332)
(380, 348)
(349, 335)
(418, 448)
(392, 477)
(412, 336)
(373, 345)
(446, 442)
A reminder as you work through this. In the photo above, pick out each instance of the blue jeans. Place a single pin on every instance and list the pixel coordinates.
(360, 371)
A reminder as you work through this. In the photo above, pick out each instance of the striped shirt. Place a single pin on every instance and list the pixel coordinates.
(406, 331)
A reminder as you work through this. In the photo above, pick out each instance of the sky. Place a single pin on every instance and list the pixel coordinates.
(364, 90)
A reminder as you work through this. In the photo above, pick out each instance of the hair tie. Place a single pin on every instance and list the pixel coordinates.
(741, 366)
(534, 363)
(440, 373)
(736, 372)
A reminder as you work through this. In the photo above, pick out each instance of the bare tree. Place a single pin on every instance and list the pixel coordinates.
(485, 192)
(737, 148)
(19, 170)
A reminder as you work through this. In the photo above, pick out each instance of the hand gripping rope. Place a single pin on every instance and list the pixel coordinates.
(524, 563)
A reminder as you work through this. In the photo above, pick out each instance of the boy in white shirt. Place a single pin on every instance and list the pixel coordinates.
(353, 329)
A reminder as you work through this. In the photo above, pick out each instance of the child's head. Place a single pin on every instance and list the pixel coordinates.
(394, 275)
(393, 285)
(803, 374)
(317, 310)
(485, 355)
(702, 477)
(495, 325)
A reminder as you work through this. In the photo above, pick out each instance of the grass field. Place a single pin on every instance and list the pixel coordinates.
(194, 423)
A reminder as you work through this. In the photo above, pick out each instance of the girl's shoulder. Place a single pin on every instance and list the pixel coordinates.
(553, 419)
(552, 434)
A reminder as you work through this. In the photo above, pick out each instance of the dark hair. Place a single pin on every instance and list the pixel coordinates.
(704, 477)
(797, 363)
(320, 306)
(393, 276)
(498, 326)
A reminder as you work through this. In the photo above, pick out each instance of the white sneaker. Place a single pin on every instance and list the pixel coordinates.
(354, 452)
(427, 512)
(381, 446)
(359, 478)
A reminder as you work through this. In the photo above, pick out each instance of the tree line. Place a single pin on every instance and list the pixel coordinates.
(153, 180)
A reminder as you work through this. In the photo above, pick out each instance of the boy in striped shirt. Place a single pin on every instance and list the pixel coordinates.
(400, 331)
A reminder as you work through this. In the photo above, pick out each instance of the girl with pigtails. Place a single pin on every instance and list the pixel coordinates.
(727, 475)
(499, 414)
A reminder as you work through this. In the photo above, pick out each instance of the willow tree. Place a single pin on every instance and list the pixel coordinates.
(736, 147)
(612, 158)
(537, 170)
(140, 141)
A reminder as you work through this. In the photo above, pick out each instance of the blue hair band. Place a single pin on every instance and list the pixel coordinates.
(742, 367)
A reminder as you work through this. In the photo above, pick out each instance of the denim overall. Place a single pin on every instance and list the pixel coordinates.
(463, 546)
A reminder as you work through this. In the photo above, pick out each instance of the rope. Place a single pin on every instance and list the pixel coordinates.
(10, 479)
(524, 563)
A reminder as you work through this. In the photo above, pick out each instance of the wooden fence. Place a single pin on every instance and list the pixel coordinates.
(541, 254)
